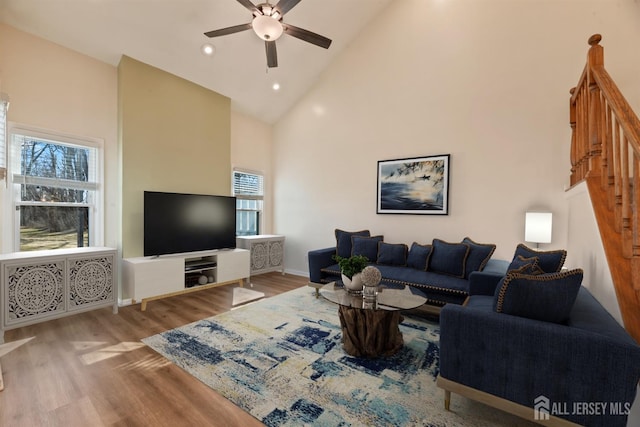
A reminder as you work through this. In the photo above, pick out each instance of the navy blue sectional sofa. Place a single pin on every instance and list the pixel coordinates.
(540, 342)
(523, 335)
(439, 270)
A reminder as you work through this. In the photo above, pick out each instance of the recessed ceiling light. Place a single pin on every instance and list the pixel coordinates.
(208, 49)
(276, 86)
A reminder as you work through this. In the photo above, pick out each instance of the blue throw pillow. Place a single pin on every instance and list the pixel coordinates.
(548, 297)
(367, 246)
(448, 258)
(418, 255)
(524, 265)
(343, 241)
(479, 254)
(392, 254)
(548, 261)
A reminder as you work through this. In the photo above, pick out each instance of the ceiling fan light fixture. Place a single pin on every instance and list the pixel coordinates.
(267, 28)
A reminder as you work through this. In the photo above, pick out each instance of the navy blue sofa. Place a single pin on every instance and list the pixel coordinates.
(583, 370)
(439, 283)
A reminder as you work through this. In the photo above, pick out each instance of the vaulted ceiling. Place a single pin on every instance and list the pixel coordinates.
(168, 34)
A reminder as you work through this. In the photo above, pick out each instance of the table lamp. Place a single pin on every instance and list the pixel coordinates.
(537, 227)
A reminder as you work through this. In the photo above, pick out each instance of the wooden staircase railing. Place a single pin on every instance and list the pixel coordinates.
(605, 151)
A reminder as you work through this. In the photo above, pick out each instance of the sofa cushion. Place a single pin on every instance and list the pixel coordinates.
(524, 265)
(343, 241)
(448, 258)
(479, 254)
(392, 254)
(548, 261)
(548, 297)
(423, 279)
(418, 255)
(367, 246)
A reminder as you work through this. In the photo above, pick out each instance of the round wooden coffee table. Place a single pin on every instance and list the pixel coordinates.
(371, 328)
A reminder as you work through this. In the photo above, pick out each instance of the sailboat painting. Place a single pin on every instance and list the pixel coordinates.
(418, 185)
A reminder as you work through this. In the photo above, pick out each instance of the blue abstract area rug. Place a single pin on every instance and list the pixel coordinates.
(281, 360)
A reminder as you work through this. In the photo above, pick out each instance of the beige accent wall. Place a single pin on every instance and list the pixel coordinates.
(56, 89)
(251, 148)
(175, 137)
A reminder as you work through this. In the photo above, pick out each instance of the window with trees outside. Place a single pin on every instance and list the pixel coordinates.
(55, 190)
(248, 188)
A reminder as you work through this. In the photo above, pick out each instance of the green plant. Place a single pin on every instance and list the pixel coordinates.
(352, 265)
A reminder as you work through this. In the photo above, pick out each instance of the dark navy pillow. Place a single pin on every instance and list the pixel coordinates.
(448, 258)
(343, 241)
(479, 254)
(392, 254)
(548, 297)
(418, 255)
(367, 246)
(548, 261)
(524, 265)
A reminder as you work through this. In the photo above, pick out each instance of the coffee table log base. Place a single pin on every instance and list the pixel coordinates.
(370, 333)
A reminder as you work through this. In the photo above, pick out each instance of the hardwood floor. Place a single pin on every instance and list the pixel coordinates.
(92, 370)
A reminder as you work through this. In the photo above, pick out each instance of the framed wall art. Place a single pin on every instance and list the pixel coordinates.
(418, 186)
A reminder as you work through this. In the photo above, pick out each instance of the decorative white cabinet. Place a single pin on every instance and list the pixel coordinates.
(43, 285)
(149, 278)
(267, 252)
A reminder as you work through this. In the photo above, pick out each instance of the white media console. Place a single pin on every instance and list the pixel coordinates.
(150, 278)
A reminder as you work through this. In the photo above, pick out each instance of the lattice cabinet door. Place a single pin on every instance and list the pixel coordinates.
(91, 281)
(33, 291)
(259, 256)
(276, 254)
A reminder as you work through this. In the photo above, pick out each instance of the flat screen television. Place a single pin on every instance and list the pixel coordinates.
(177, 222)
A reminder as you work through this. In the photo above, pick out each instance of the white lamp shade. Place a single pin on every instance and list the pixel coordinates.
(267, 28)
(537, 227)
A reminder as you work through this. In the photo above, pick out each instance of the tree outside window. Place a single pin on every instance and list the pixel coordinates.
(55, 191)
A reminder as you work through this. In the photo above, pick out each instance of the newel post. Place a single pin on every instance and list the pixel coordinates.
(595, 59)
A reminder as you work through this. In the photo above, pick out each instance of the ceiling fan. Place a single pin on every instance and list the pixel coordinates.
(267, 24)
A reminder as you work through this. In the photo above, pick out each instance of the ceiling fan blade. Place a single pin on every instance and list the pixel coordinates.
(228, 30)
(272, 54)
(285, 6)
(252, 7)
(307, 36)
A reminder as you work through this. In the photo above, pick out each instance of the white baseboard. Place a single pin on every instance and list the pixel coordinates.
(297, 273)
(124, 302)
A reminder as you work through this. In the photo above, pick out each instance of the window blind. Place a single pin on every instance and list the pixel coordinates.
(248, 185)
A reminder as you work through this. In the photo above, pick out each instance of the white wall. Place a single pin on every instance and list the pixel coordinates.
(585, 250)
(56, 89)
(251, 149)
(485, 81)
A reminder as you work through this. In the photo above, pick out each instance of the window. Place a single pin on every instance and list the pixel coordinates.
(248, 187)
(55, 190)
(4, 106)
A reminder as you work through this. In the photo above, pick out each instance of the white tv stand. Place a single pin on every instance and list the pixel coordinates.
(150, 278)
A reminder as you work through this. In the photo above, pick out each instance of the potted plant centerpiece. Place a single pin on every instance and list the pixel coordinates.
(351, 269)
